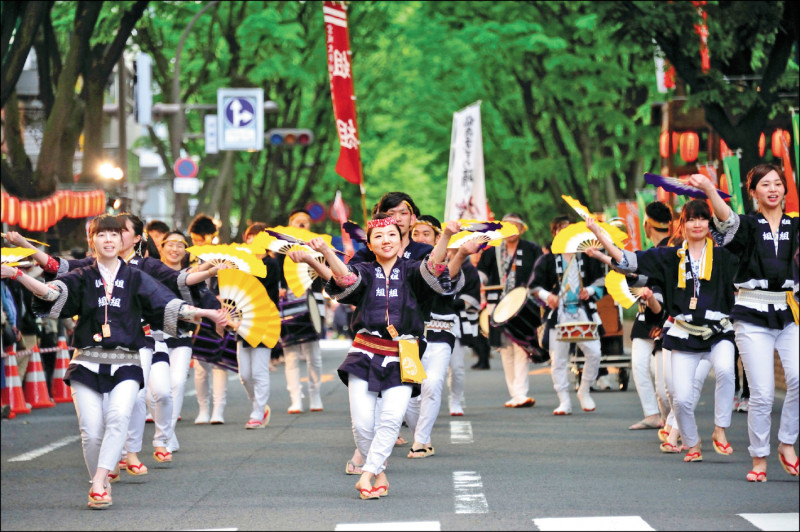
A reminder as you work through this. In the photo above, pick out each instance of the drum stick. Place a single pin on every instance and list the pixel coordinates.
(493, 287)
(29, 240)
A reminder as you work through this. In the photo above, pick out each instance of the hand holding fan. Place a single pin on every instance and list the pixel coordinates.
(576, 238)
(236, 257)
(677, 186)
(296, 235)
(617, 286)
(254, 315)
(13, 256)
(489, 233)
(299, 275)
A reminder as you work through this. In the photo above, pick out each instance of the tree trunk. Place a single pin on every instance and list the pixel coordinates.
(93, 153)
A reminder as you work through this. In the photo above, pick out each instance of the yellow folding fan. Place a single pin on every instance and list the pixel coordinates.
(249, 307)
(617, 286)
(491, 233)
(577, 206)
(576, 238)
(235, 256)
(13, 256)
(299, 275)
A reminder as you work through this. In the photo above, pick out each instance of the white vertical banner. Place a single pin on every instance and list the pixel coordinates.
(466, 186)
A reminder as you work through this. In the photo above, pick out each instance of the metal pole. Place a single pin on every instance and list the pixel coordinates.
(123, 133)
(178, 118)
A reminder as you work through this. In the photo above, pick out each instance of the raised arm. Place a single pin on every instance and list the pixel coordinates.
(35, 286)
(604, 239)
(301, 256)
(337, 269)
(457, 260)
(719, 207)
(44, 260)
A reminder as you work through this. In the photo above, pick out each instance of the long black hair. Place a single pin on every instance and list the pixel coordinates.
(138, 230)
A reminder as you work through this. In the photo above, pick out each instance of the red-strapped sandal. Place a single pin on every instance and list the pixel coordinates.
(99, 501)
(789, 468)
(368, 494)
(724, 449)
(382, 491)
(137, 469)
(756, 476)
(163, 457)
(693, 457)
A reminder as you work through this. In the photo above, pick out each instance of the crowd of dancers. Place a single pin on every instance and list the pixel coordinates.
(719, 283)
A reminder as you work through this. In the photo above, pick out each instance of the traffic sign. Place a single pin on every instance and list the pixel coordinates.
(240, 119)
(316, 210)
(185, 167)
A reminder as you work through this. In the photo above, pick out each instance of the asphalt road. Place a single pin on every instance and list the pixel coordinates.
(494, 469)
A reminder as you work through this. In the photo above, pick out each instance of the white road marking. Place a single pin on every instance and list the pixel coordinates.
(397, 525)
(207, 529)
(611, 523)
(36, 453)
(460, 432)
(469, 497)
(787, 521)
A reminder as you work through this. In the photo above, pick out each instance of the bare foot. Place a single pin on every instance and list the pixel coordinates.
(381, 484)
(365, 481)
(760, 464)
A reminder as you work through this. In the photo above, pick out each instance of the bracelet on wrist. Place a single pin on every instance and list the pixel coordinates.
(17, 274)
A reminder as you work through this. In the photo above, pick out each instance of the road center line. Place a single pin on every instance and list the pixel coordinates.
(469, 497)
(36, 453)
(460, 432)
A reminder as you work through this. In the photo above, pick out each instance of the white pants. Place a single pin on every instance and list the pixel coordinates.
(643, 367)
(455, 377)
(700, 374)
(559, 358)
(254, 375)
(516, 366)
(179, 360)
(424, 409)
(219, 378)
(756, 347)
(311, 353)
(662, 394)
(685, 398)
(375, 438)
(103, 419)
(156, 379)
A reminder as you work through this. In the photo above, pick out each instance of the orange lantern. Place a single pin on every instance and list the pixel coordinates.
(762, 144)
(662, 195)
(11, 211)
(664, 145)
(690, 146)
(49, 213)
(4, 206)
(69, 204)
(778, 136)
(38, 216)
(25, 214)
(93, 195)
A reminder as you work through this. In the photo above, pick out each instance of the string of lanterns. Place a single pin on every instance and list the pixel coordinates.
(689, 144)
(41, 215)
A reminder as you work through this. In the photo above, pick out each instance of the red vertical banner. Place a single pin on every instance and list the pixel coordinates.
(344, 100)
(629, 211)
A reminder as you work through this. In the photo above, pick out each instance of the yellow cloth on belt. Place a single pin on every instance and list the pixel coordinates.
(792, 302)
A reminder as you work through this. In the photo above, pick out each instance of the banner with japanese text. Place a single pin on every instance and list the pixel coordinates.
(466, 186)
(344, 100)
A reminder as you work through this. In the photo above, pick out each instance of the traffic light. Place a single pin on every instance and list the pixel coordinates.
(290, 137)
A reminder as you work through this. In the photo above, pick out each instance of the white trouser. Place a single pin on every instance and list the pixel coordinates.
(375, 438)
(700, 374)
(756, 347)
(515, 368)
(662, 394)
(685, 398)
(219, 378)
(423, 410)
(311, 353)
(103, 419)
(179, 360)
(559, 358)
(455, 377)
(156, 379)
(254, 375)
(642, 367)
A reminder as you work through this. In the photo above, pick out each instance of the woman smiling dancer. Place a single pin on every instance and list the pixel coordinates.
(766, 311)
(696, 280)
(389, 294)
(110, 299)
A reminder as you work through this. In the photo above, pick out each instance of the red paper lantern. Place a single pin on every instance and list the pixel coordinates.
(11, 210)
(4, 206)
(663, 141)
(662, 195)
(762, 145)
(25, 214)
(778, 137)
(49, 213)
(690, 146)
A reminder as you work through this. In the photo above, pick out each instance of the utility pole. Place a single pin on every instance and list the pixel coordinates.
(178, 119)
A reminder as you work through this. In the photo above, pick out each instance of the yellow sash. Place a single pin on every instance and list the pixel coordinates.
(706, 262)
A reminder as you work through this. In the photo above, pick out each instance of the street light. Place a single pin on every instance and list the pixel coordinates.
(110, 172)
